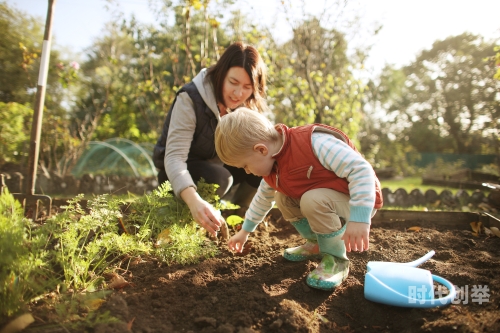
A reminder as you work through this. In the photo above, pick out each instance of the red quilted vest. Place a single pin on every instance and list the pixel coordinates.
(297, 170)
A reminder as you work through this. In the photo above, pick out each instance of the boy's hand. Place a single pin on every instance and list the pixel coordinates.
(237, 242)
(356, 236)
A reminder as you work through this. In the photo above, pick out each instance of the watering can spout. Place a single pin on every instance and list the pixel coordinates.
(419, 261)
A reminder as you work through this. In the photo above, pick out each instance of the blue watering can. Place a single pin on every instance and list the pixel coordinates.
(405, 285)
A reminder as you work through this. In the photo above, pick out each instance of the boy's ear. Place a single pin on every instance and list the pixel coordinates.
(261, 148)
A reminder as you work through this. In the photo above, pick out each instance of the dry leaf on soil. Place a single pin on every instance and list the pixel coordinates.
(118, 282)
(18, 324)
(163, 237)
(476, 227)
(130, 323)
(495, 231)
(224, 231)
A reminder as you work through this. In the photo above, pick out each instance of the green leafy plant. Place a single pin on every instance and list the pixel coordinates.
(22, 274)
(149, 215)
(85, 244)
(185, 244)
(160, 212)
(69, 255)
(234, 221)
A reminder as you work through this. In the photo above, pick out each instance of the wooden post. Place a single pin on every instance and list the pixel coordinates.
(36, 127)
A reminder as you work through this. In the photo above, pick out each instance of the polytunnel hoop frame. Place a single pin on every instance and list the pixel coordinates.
(140, 148)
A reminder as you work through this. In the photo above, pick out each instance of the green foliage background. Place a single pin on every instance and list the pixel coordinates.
(445, 101)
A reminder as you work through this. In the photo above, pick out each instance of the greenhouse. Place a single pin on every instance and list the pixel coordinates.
(116, 156)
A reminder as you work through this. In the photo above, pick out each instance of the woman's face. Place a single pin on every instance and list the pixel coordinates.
(237, 87)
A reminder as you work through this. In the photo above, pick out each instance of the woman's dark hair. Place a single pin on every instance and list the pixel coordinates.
(239, 54)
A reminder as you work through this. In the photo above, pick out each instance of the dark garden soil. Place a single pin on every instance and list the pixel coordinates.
(260, 291)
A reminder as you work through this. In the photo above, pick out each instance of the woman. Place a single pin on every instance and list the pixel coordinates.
(185, 151)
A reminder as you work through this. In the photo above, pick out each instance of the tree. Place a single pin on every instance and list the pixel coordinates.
(14, 130)
(496, 60)
(134, 70)
(378, 136)
(312, 79)
(450, 101)
(313, 76)
(129, 81)
(20, 51)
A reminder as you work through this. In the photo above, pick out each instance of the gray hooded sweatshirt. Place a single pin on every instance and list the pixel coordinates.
(181, 131)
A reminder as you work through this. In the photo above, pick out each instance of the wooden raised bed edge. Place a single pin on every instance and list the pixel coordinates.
(452, 220)
(407, 218)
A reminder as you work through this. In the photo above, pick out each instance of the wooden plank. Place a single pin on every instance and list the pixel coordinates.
(410, 215)
(459, 220)
(490, 221)
(406, 218)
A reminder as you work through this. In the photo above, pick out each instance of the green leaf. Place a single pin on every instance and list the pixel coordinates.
(234, 220)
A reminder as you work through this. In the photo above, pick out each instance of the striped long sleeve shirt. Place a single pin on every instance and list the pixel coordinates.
(346, 163)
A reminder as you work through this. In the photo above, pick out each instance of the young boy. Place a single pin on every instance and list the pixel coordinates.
(318, 180)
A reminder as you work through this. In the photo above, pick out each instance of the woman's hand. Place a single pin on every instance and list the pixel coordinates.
(237, 242)
(356, 236)
(203, 213)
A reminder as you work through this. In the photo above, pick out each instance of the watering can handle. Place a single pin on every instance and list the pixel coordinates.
(430, 303)
(452, 292)
(420, 260)
(440, 301)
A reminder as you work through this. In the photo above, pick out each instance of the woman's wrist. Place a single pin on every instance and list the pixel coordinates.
(189, 195)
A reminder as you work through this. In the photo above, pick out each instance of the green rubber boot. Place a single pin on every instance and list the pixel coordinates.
(334, 266)
(306, 251)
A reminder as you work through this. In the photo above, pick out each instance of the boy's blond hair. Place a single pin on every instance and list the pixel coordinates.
(239, 131)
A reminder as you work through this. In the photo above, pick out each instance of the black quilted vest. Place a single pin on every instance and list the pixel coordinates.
(203, 144)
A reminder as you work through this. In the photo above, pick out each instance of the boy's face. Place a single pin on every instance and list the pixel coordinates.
(258, 161)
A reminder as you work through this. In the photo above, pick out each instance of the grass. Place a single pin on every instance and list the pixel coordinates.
(411, 183)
